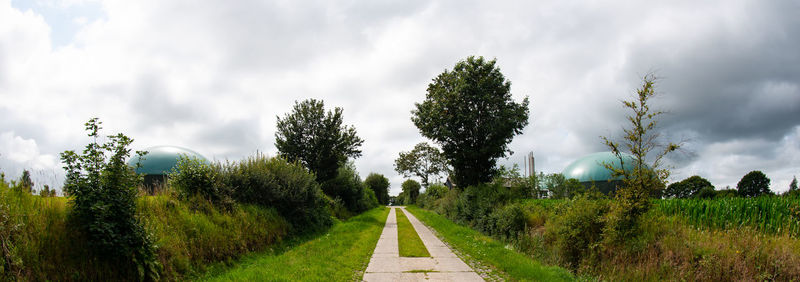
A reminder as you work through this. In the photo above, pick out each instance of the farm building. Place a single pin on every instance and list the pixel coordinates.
(590, 169)
(159, 162)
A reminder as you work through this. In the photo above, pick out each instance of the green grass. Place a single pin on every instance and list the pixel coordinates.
(506, 263)
(341, 254)
(409, 242)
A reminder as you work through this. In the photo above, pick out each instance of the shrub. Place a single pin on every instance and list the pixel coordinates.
(194, 178)
(576, 233)
(348, 187)
(287, 187)
(380, 185)
(103, 191)
(433, 193)
(508, 221)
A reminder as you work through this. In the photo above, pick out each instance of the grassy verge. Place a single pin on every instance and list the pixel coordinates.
(507, 263)
(408, 239)
(341, 254)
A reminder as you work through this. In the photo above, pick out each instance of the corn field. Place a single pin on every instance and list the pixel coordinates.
(772, 215)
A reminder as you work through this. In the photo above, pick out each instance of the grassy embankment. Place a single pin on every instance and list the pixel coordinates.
(409, 242)
(473, 245)
(684, 239)
(43, 246)
(342, 254)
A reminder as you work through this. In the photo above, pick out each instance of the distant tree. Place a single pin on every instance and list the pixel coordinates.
(410, 191)
(687, 188)
(380, 185)
(639, 139)
(46, 192)
(25, 183)
(470, 113)
(424, 161)
(754, 184)
(561, 187)
(317, 139)
(793, 184)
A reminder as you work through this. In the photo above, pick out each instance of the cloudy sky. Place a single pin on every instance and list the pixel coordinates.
(213, 75)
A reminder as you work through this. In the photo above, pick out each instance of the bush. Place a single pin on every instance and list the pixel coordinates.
(348, 187)
(103, 199)
(433, 193)
(195, 178)
(576, 233)
(287, 187)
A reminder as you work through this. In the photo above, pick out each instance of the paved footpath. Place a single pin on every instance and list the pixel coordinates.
(387, 265)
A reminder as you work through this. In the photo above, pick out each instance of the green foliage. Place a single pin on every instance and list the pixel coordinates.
(753, 184)
(317, 139)
(45, 247)
(560, 187)
(424, 161)
(633, 199)
(771, 215)
(688, 187)
(25, 184)
(577, 232)
(347, 187)
(379, 184)
(47, 192)
(103, 191)
(470, 113)
(276, 183)
(793, 184)
(410, 191)
(433, 193)
(194, 178)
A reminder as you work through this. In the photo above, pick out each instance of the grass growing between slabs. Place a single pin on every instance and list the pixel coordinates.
(506, 263)
(341, 254)
(409, 242)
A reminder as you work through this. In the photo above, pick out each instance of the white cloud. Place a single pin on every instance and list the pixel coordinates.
(213, 77)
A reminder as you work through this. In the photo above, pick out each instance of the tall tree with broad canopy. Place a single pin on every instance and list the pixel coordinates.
(380, 185)
(424, 161)
(317, 139)
(754, 184)
(470, 113)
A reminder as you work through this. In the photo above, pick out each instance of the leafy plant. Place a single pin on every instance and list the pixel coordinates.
(754, 184)
(317, 138)
(192, 177)
(424, 161)
(287, 187)
(633, 199)
(379, 184)
(470, 113)
(103, 191)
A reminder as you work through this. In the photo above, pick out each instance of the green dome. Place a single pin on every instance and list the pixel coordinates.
(161, 159)
(590, 167)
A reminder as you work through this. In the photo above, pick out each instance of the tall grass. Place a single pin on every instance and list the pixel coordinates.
(46, 247)
(771, 215)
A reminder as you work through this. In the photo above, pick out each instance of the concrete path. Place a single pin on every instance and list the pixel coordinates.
(387, 265)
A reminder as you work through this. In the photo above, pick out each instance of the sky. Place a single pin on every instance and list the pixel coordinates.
(213, 76)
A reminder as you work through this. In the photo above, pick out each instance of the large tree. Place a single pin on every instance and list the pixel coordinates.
(753, 184)
(424, 161)
(470, 113)
(316, 138)
(380, 185)
(688, 187)
(647, 177)
(410, 191)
